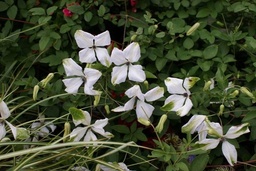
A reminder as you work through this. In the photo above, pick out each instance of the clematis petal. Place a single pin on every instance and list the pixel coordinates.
(175, 86)
(4, 110)
(118, 57)
(190, 82)
(119, 74)
(35, 125)
(229, 151)
(192, 125)
(185, 108)
(144, 110)
(202, 131)
(209, 143)
(72, 84)
(91, 92)
(92, 76)
(43, 132)
(90, 136)
(78, 133)
(103, 56)
(174, 103)
(99, 124)
(132, 52)
(2, 130)
(79, 116)
(102, 39)
(87, 55)
(127, 106)
(135, 91)
(135, 73)
(154, 94)
(83, 39)
(236, 131)
(215, 129)
(13, 129)
(72, 68)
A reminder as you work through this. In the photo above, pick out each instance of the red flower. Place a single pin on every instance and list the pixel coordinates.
(133, 3)
(67, 13)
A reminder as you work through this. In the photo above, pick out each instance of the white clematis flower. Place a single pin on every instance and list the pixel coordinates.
(124, 61)
(77, 76)
(179, 101)
(197, 123)
(87, 132)
(42, 128)
(4, 114)
(143, 109)
(93, 47)
(228, 149)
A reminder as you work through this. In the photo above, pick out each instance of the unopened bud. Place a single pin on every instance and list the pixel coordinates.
(193, 28)
(234, 94)
(96, 100)
(207, 85)
(45, 81)
(221, 110)
(133, 37)
(107, 109)
(247, 92)
(146, 84)
(160, 125)
(144, 121)
(35, 92)
(66, 131)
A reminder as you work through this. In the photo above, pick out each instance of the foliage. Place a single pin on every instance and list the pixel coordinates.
(212, 40)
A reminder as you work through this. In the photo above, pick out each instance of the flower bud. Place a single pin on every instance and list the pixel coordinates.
(45, 81)
(234, 94)
(207, 85)
(96, 100)
(146, 84)
(160, 125)
(221, 110)
(107, 109)
(66, 131)
(144, 121)
(133, 37)
(35, 92)
(193, 28)
(247, 92)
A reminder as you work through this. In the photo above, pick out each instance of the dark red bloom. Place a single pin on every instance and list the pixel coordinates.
(67, 13)
(133, 2)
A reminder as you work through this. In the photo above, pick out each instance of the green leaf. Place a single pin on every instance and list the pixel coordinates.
(9, 2)
(205, 65)
(140, 135)
(160, 34)
(3, 6)
(210, 52)
(160, 63)
(64, 28)
(249, 116)
(121, 129)
(37, 11)
(88, 16)
(150, 75)
(51, 10)
(77, 9)
(101, 10)
(43, 42)
(55, 35)
(188, 43)
(44, 19)
(204, 12)
(12, 12)
(199, 163)
(77, 114)
(182, 166)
